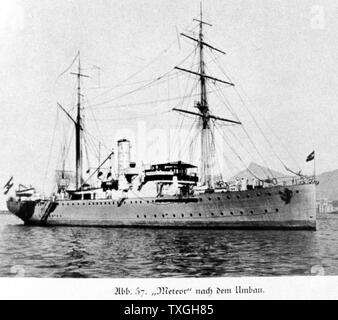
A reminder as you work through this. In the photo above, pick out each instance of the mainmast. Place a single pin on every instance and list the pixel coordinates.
(207, 144)
(207, 150)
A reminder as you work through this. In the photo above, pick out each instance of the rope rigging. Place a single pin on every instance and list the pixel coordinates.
(123, 82)
(238, 156)
(233, 168)
(258, 126)
(154, 108)
(67, 69)
(96, 124)
(50, 149)
(147, 85)
(144, 103)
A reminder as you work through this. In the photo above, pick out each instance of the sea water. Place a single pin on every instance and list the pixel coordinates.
(152, 253)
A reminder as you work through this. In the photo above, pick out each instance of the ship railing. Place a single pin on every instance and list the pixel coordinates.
(239, 185)
(290, 181)
(158, 172)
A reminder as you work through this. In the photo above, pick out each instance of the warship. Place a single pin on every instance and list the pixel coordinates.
(174, 194)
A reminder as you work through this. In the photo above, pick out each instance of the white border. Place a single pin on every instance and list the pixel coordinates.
(274, 288)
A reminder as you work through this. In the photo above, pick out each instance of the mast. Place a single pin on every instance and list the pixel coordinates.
(206, 150)
(78, 129)
(78, 151)
(207, 144)
(63, 162)
(78, 126)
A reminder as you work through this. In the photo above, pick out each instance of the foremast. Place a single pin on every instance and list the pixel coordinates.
(207, 137)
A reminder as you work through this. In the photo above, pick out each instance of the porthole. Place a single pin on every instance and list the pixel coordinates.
(190, 214)
(228, 197)
(200, 214)
(131, 202)
(297, 191)
(138, 216)
(155, 216)
(147, 201)
(218, 198)
(145, 216)
(251, 212)
(182, 215)
(163, 215)
(242, 212)
(237, 196)
(277, 210)
(174, 215)
(231, 213)
(209, 199)
(266, 211)
(212, 213)
(222, 214)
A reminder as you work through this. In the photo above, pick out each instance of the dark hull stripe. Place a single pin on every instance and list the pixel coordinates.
(271, 225)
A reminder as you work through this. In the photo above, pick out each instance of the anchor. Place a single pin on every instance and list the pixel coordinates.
(286, 195)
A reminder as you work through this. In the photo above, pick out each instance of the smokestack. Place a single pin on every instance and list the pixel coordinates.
(123, 147)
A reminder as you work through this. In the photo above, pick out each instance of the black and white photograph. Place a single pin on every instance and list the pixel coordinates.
(157, 139)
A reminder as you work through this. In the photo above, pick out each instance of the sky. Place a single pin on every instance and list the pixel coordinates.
(283, 54)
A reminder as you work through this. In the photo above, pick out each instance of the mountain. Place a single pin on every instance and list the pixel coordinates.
(259, 171)
(328, 185)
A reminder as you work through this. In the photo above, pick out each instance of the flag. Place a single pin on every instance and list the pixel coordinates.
(310, 157)
(8, 185)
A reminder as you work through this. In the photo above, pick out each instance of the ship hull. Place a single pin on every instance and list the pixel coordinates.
(283, 207)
